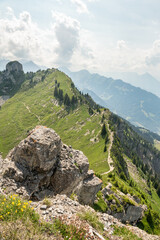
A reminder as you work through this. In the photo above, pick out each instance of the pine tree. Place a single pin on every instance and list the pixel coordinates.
(60, 94)
(105, 149)
(158, 190)
(67, 101)
(102, 120)
(104, 131)
(73, 100)
(56, 92)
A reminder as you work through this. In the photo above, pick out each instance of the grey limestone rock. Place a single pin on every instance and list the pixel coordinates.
(39, 151)
(41, 165)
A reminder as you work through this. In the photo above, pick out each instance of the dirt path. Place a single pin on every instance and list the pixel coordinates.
(110, 161)
(31, 112)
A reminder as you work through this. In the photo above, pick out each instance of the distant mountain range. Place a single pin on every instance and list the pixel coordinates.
(138, 106)
(145, 81)
(28, 66)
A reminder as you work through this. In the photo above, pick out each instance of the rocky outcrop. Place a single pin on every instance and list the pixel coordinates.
(67, 209)
(42, 165)
(126, 208)
(3, 99)
(11, 79)
(14, 66)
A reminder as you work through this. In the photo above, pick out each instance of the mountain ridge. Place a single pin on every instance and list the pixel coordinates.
(145, 81)
(138, 106)
(50, 98)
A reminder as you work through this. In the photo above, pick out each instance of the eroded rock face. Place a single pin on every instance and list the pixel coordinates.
(42, 165)
(11, 79)
(131, 210)
(91, 185)
(14, 66)
(39, 151)
(71, 170)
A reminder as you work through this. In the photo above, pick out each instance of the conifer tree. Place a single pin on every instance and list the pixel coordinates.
(104, 131)
(56, 92)
(102, 120)
(158, 190)
(67, 101)
(60, 94)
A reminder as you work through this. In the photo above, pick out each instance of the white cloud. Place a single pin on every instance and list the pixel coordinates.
(121, 44)
(67, 33)
(153, 56)
(66, 43)
(22, 38)
(81, 6)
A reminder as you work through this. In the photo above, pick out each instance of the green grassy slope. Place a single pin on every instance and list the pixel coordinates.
(37, 106)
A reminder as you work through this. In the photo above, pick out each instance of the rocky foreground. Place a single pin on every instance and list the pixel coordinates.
(42, 166)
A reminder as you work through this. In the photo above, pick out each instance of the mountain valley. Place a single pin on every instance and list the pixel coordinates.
(137, 106)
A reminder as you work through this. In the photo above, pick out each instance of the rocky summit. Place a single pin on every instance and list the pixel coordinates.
(14, 66)
(11, 79)
(41, 165)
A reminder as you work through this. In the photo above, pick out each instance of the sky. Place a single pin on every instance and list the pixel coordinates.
(98, 35)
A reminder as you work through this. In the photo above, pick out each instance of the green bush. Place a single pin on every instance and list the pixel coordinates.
(92, 219)
(128, 200)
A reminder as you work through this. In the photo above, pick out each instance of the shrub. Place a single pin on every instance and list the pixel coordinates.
(92, 219)
(100, 205)
(128, 200)
(47, 202)
(73, 196)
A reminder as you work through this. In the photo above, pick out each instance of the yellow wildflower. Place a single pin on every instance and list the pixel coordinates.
(8, 212)
(24, 206)
(12, 203)
(2, 202)
(4, 199)
(22, 209)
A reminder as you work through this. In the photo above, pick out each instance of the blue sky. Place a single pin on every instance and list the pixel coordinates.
(98, 35)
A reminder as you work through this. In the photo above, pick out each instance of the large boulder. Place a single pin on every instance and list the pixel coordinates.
(71, 170)
(91, 185)
(42, 165)
(131, 215)
(39, 151)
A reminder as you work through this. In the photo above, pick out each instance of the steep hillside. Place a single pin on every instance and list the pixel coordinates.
(35, 104)
(139, 107)
(49, 98)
